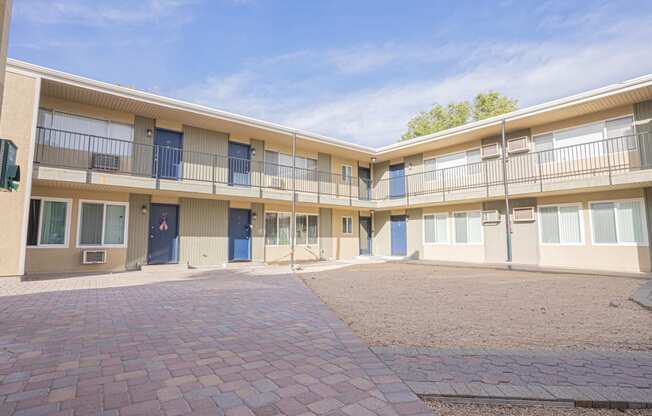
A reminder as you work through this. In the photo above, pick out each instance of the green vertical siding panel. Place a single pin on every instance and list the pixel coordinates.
(380, 186)
(138, 231)
(143, 151)
(203, 231)
(415, 233)
(200, 147)
(258, 231)
(325, 233)
(257, 159)
(382, 234)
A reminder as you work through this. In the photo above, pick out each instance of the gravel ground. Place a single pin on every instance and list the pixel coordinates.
(426, 305)
(450, 409)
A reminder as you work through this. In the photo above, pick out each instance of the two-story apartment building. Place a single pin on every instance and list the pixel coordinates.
(115, 178)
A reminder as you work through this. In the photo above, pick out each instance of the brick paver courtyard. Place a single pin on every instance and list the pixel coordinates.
(203, 343)
(614, 379)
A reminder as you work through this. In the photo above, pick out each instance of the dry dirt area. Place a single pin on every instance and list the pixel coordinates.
(450, 409)
(426, 305)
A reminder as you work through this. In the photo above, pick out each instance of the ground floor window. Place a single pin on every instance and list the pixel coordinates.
(102, 223)
(277, 229)
(435, 228)
(561, 224)
(468, 227)
(347, 225)
(618, 222)
(48, 222)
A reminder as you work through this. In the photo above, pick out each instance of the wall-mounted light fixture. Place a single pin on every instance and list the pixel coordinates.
(253, 151)
(373, 160)
(254, 216)
(143, 209)
(149, 132)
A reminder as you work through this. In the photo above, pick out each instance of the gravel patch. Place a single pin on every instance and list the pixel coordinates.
(436, 306)
(454, 409)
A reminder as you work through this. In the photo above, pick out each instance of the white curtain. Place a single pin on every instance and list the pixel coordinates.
(430, 229)
(53, 222)
(630, 222)
(461, 228)
(569, 225)
(441, 227)
(604, 223)
(271, 228)
(549, 224)
(114, 225)
(475, 227)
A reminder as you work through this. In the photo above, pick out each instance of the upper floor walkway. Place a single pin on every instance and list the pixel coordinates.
(75, 157)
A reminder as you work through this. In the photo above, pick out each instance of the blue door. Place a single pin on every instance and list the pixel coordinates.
(399, 235)
(239, 164)
(239, 234)
(397, 181)
(163, 234)
(167, 154)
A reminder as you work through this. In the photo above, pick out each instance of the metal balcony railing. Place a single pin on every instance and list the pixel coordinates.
(73, 150)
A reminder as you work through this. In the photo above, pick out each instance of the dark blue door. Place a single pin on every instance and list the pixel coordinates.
(163, 234)
(399, 235)
(365, 182)
(239, 234)
(397, 181)
(167, 154)
(239, 164)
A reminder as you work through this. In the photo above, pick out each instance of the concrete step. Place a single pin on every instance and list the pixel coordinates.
(177, 267)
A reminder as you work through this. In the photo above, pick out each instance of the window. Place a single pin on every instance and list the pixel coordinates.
(306, 229)
(347, 225)
(48, 222)
(102, 224)
(85, 125)
(435, 228)
(618, 222)
(280, 164)
(277, 229)
(561, 224)
(468, 227)
(347, 173)
(454, 160)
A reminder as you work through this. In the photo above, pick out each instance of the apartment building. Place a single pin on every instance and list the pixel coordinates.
(116, 178)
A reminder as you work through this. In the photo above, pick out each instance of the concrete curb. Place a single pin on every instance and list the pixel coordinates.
(643, 295)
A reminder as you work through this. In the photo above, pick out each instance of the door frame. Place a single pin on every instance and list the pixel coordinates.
(231, 170)
(149, 223)
(249, 251)
(396, 179)
(156, 154)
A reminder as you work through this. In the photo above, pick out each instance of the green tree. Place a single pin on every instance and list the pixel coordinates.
(455, 114)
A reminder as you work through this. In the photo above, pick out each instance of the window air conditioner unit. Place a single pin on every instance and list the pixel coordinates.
(490, 150)
(518, 145)
(94, 257)
(278, 183)
(490, 216)
(103, 161)
(524, 214)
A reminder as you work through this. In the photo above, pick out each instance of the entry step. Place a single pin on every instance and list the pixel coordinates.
(164, 267)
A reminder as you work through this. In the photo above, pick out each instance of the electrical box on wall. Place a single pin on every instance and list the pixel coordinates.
(9, 170)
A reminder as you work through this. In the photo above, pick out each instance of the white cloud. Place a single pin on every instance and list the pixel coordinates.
(532, 72)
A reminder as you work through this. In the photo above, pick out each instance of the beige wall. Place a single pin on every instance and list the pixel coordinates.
(72, 107)
(587, 255)
(470, 253)
(18, 122)
(345, 246)
(281, 254)
(58, 260)
(203, 232)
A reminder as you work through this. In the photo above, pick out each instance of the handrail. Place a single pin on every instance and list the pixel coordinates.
(84, 151)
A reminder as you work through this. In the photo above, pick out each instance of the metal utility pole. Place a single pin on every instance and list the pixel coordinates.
(508, 226)
(293, 220)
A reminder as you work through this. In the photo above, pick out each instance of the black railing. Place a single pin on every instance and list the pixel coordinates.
(82, 151)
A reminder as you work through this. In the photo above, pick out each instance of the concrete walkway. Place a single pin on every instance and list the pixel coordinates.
(185, 343)
(643, 295)
(588, 379)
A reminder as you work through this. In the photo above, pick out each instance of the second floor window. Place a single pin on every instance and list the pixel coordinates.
(84, 125)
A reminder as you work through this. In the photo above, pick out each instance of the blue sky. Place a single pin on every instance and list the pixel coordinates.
(354, 70)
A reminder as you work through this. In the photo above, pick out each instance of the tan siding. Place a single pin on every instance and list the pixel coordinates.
(143, 150)
(258, 232)
(382, 234)
(138, 230)
(345, 246)
(326, 233)
(415, 233)
(203, 228)
(200, 146)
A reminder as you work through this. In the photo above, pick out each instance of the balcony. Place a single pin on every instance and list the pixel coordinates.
(86, 158)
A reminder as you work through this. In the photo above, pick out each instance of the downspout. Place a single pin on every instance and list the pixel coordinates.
(293, 224)
(508, 227)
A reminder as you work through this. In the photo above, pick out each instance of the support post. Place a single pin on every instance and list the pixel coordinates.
(508, 226)
(293, 220)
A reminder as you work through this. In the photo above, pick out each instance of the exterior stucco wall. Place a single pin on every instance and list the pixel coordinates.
(68, 259)
(326, 233)
(471, 253)
(138, 230)
(19, 104)
(588, 255)
(345, 246)
(203, 232)
(199, 146)
(258, 232)
(382, 241)
(415, 233)
(525, 235)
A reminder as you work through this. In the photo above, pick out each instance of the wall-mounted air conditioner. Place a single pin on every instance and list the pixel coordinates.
(103, 161)
(94, 257)
(490, 150)
(524, 214)
(518, 145)
(490, 216)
